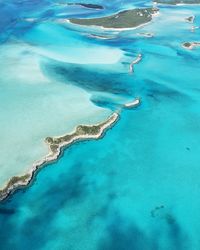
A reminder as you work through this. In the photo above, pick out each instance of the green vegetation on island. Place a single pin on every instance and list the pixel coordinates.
(187, 44)
(190, 45)
(124, 19)
(15, 181)
(88, 5)
(190, 19)
(81, 132)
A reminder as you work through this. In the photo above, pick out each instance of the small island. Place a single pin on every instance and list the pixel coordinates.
(190, 19)
(143, 34)
(135, 61)
(102, 37)
(190, 45)
(88, 5)
(56, 144)
(122, 20)
(133, 104)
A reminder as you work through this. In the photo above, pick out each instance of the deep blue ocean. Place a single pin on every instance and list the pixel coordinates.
(137, 188)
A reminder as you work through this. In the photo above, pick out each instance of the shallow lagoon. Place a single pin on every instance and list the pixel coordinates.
(34, 107)
(138, 187)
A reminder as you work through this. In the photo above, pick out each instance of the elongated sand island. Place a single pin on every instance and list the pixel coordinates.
(105, 37)
(56, 144)
(143, 34)
(133, 103)
(123, 20)
(135, 61)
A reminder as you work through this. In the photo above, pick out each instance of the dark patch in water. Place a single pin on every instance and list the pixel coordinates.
(153, 96)
(178, 239)
(90, 79)
(125, 63)
(47, 14)
(106, 103)
(158, 91)
(7, 211)
(155, 212)
(70, 189)
(122, 234)
(112, 196)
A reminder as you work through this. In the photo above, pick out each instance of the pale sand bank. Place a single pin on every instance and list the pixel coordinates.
(133, 104)
(32, 107)
(137, 60)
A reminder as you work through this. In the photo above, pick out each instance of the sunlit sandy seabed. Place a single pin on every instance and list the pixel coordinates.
(34, 107)
(138, 187)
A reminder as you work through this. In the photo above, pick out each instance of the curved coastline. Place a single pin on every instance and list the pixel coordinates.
(56, 145)
(104, 28)
(123, 20)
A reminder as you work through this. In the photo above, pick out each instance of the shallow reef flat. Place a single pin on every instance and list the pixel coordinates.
(34, 106)
(124, 19)
(55, 41)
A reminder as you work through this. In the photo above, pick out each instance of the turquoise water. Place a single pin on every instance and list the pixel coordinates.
(138, 187)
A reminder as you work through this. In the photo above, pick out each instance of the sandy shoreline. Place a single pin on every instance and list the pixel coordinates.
(103, 28)
(133, 104)
(111, 28)
(137, 60)
(54, 152)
